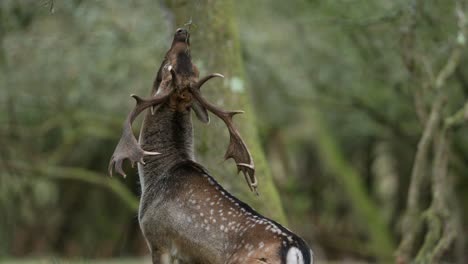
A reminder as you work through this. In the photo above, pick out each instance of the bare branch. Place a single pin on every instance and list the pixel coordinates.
(412, 219)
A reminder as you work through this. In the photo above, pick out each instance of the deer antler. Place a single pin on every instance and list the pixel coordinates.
(128, 147)
(237, 149)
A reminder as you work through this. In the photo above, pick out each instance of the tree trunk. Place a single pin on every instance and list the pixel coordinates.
(215, 48)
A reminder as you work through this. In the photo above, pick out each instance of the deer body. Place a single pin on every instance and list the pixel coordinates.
(183, 211)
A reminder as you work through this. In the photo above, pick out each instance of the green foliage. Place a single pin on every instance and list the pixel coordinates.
(60, 119)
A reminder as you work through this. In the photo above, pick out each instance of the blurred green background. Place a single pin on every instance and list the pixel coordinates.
(356, 114)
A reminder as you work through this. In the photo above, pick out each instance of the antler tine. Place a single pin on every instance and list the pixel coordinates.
(203, 80)
(237, 149)
(252, 185)
(128, 147)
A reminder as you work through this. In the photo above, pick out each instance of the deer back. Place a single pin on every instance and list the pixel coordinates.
(197, 218)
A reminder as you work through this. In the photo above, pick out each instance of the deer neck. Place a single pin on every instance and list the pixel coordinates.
(170, 133)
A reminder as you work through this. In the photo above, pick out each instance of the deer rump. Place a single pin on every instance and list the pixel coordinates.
(195, 220)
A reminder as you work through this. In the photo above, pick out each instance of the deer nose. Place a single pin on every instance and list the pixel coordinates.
(181, 30)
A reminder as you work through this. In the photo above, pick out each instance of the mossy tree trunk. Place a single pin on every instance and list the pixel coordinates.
(215, 48)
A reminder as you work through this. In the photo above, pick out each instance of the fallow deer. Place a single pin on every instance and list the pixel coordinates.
(184, 212)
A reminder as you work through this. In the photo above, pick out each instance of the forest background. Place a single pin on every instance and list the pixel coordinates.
(356, 116)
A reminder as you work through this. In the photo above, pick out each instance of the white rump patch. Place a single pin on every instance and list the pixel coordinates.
(294, 256)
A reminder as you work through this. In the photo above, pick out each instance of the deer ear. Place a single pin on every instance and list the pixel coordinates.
(200, 112)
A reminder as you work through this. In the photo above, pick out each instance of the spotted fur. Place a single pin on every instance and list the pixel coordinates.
(184, 207)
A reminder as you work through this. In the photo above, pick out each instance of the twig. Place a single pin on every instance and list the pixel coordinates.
(458, 118)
